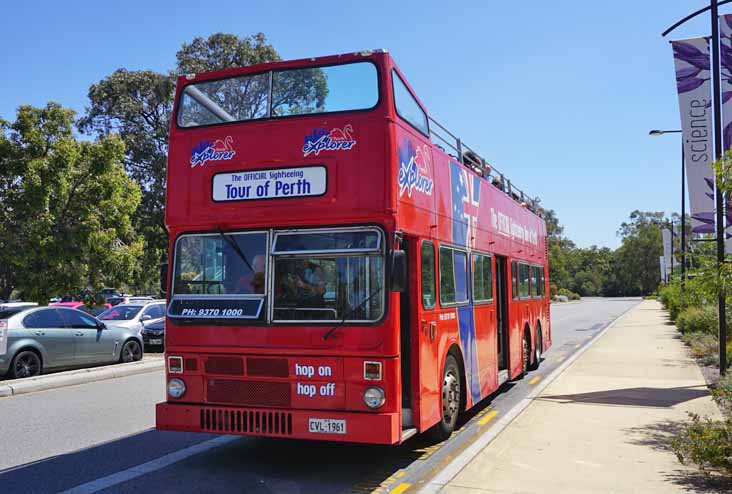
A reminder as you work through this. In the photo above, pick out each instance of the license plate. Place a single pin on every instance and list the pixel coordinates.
(327, 426)
(156, 342)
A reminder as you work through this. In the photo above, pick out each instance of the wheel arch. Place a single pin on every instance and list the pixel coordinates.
(27, 344)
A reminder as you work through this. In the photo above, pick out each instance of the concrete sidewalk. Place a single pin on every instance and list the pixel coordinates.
(602, 425)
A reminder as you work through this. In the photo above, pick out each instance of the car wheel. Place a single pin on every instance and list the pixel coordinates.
(451, 400)
(26, 364)
(131, 352)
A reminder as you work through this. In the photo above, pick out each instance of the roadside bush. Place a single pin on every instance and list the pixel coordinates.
(568, 293)
(707, 444)
(698, 320)
(722, 394)
(702, 344)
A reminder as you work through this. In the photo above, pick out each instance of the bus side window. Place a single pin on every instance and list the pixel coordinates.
(428, 275)
(524, 281)
(534, 282)
(514, 282)
(453, 276)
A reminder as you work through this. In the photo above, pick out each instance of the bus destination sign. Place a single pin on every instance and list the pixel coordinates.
(279, 183)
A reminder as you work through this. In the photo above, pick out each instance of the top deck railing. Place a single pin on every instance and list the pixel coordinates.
(469, 158)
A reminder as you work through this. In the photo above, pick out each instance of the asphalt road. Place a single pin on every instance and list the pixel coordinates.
(98, 437)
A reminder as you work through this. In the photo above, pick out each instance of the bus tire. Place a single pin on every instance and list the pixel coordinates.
(526, 352)
(537, 348)
(451, 400)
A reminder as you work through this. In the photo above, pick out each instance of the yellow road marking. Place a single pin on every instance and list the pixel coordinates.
(535, 380)
(560, 359)
(487, 418)
(399, 474)
(401, 488)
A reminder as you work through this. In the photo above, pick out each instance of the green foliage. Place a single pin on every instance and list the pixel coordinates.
(632, 269)
(223, 51)
(722, 394)
(698, 320)
(67, 208)
(706, 444)
(568, 293)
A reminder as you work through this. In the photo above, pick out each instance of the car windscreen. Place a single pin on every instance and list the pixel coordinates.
(4, 314)
(120, 313)
(280, 93)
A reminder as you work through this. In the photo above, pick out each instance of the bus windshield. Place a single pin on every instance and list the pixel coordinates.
(318, 275)
(280, 93)
(218, 264)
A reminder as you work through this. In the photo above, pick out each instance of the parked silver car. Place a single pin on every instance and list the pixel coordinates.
(51, 338)
(131, 316)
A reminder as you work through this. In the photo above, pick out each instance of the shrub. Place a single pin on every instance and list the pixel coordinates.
(702, 344)
(698, 320)
(568, 293)
(722, 394)
(705, 443)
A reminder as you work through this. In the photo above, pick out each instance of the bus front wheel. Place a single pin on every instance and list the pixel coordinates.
(451, 399)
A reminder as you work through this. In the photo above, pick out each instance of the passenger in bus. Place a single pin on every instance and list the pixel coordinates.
(251, 282)
(310, 282)
(497, 182)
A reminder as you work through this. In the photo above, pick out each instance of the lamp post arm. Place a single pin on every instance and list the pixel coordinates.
(691, 16)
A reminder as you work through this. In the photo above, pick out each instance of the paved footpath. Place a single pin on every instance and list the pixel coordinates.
(602, 425)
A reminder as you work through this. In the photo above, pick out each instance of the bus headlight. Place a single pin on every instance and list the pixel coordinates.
(374, 397)
(176, 388)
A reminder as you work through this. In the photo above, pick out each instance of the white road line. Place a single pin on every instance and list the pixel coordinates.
(148, 467)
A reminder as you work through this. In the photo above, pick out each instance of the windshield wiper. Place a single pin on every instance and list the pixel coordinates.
(236, 248)
(351, 312)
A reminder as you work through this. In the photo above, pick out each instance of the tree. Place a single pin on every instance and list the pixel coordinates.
(636, 264)
(67, 208)
(138, 106)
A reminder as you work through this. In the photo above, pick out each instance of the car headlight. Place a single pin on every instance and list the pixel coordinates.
(374, 397)
(176, 388)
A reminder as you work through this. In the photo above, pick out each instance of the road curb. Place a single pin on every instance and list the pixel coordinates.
(81, 376)
(457, 464)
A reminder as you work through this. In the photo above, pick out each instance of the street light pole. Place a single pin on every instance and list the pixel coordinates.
(683, 217)
(718, 150)
(683, 201)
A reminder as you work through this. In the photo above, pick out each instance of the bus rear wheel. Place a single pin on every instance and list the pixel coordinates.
(526, 352)
(451, 399)
(537, 349)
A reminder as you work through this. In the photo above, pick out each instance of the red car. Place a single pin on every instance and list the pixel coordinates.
(80, 306)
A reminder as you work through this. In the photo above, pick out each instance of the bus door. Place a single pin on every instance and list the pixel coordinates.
(502, 314)
(426, 365)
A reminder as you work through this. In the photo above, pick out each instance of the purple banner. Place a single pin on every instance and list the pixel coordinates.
(692, 63)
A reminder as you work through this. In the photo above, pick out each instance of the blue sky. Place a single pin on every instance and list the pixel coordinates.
(558, 95)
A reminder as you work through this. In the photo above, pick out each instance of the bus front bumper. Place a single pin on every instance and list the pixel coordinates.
(376, 428)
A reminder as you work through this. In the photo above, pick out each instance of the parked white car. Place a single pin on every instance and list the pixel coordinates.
(132, 315)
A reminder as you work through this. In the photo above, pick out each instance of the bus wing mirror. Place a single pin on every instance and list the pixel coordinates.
(398, 271)
(164, 278)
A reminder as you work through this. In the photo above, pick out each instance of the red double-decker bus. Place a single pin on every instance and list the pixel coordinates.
(341, 266)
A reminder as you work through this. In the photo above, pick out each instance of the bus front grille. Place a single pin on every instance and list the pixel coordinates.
(251, 393)
(225, 365)
(246, 421)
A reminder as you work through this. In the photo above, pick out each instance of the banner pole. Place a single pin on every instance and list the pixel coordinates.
(716, 97)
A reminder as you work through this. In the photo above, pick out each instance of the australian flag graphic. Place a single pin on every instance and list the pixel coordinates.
(465, 188)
